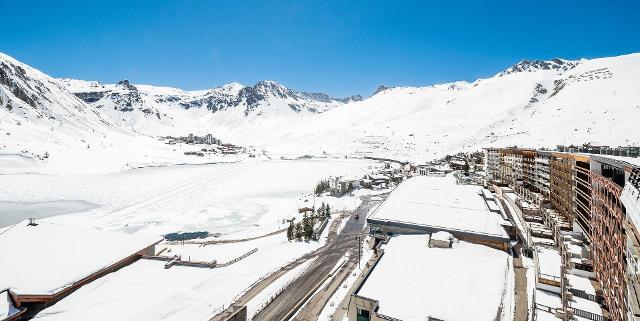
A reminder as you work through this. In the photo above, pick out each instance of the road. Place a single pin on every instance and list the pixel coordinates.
(294, 296)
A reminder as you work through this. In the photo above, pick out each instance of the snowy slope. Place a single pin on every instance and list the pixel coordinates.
(533, 103)
(45, 128)
(595, 100)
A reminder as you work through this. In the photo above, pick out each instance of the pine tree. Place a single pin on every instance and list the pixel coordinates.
(307, 228)
(327, 210)
(298, 233)
(290, 231)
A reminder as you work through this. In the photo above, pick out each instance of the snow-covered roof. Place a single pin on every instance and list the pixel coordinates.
(441, 236)
(378, 176)
(549, 262)
(635, 161)
(47, 258)
(493, 206)
(412, 281)
(7, 309)
(145, 290)
(487, 194)
(440, 202)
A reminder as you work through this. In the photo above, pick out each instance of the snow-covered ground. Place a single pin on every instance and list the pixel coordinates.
(240, 199)
(228, 251)
(236, 199)
(146, 290)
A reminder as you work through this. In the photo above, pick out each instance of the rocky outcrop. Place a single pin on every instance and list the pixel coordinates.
(380, 89)
(537, 65)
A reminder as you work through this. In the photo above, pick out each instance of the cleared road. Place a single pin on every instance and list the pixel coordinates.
(291, 299)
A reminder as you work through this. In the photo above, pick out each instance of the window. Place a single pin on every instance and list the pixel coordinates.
(363, 315)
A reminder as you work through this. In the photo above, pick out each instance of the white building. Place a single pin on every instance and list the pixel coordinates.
(412, 281)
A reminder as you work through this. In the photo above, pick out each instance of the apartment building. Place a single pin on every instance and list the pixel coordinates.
(561, 185)
(511, 165)
(542, 172)
(608, 234)
(528, 167)
(631, 200)
(600, 196)
(492, 163)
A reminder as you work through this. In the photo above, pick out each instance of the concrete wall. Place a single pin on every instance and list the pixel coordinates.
(501, 243)
(239, 314)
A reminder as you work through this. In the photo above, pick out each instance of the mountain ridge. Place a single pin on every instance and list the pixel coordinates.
(537, 104)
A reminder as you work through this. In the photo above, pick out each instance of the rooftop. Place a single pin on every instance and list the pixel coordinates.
(7, 309)
(412, 281)
(440, 202)
(46, 258)
(145, 290)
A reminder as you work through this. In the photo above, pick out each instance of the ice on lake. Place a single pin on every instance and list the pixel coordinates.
(14, 212)
(238, 198)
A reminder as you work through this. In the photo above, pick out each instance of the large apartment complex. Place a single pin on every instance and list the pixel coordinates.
(599, 196)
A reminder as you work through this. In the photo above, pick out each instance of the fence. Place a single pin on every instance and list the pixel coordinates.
(177, 260)
(238, 258)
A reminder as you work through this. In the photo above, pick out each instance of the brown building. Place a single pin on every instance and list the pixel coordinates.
(608, 232)
(600, 196)
(561, 184)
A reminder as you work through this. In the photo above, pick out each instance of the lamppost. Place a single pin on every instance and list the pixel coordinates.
(358, 239)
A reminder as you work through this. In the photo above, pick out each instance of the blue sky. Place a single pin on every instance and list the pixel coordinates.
(338, 47)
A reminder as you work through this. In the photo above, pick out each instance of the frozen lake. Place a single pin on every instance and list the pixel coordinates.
(14, 212)
(240, 198)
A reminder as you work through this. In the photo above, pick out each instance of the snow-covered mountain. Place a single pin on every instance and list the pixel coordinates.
(533, 103)
(125, 96)
(537, 65)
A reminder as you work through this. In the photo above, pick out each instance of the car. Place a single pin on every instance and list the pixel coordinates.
(357, 216)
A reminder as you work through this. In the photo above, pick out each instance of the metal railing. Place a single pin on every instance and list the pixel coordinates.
(583, 294)
(589, 315)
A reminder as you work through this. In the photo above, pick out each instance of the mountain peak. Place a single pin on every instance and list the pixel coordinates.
(272, 88)
(325, 98)
(537, 65)
(380, 88)
(126, 84)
